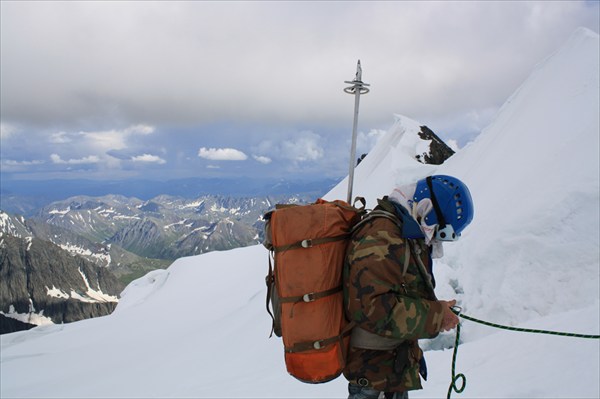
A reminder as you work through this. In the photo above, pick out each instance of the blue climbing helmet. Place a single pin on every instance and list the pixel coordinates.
(452, 204)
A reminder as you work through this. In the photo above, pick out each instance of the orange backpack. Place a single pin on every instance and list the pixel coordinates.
(308, 245)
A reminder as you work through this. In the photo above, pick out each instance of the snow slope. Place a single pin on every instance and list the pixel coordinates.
(531, 258)
(534, 174)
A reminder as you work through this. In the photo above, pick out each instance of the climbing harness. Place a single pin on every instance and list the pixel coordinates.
(456, 377)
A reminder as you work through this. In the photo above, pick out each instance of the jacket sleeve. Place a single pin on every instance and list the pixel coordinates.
(381, 298)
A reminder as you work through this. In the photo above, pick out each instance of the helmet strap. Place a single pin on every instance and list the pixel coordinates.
(436, 205)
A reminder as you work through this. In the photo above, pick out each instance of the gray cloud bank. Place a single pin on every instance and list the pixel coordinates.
(116, 78)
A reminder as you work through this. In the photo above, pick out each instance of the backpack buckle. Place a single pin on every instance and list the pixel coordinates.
(308, 297)
(306, 243)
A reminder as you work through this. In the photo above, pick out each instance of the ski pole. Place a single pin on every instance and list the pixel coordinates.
(357, 88)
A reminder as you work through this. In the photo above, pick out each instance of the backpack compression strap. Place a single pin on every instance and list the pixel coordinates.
(307, 243)
(319, 344)
(270, 280)
(310, 297)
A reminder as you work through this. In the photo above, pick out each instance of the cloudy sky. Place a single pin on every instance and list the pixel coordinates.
(117, 90)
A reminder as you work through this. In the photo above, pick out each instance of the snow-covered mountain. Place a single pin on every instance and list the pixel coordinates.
(164, 227)
(25, 197)
(120, 232)
(531, 257)
(116, 236)
(535, 175)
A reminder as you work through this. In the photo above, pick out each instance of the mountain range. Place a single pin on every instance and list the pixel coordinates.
(25, 197)
(48, 261)
(127, 237)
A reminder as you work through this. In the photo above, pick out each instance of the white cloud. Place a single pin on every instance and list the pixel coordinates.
(102, 140)
(300, 146)
(85, 160)
(11, 162)
(104, 143)
(262, 159)
(6, 130)
(148, 158)
(59, 138)
(105, 140)
(10, 165)
(139, 129)
(453, 144)
(304, 148)
(222, 154)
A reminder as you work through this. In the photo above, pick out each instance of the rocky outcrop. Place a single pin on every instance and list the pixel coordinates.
(438, 150)
(8, 324)
(40, 283)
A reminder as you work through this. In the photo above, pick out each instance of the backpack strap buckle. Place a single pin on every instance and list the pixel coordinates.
(309, 297)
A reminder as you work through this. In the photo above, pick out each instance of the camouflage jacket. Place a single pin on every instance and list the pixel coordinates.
(387, 292)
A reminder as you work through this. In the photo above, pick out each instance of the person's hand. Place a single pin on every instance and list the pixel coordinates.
(450, 319)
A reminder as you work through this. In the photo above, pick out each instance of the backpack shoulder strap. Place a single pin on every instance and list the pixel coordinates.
(377, 213)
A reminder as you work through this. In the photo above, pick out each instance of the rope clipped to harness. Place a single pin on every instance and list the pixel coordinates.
(461, 377)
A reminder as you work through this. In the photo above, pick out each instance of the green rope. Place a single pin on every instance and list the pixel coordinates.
(528, 330)
(456, 377)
